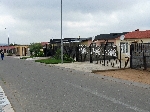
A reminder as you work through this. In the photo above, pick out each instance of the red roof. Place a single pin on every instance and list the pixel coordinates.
(44, 43)
(138, 34)
(6, 47)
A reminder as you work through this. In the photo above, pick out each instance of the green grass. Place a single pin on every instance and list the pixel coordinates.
(51, 61)
(26, 57)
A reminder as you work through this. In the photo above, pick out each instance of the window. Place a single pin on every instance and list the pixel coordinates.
(124, 47)
(110, 43)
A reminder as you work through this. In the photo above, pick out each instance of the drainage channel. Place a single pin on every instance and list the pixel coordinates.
(5, 105)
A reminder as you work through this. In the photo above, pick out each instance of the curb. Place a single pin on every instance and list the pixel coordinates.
(5, 105)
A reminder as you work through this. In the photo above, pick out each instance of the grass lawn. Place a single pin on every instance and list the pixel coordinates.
(51, 61)
(26, 57)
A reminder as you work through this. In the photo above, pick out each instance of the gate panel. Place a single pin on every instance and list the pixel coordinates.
(140, 55)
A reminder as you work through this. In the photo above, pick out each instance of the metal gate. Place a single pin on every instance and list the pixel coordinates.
(140, 55)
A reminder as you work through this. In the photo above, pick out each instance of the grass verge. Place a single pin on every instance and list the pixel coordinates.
(26, 57)
(51, 61)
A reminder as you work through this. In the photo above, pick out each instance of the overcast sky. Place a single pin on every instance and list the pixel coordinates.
(28, 21)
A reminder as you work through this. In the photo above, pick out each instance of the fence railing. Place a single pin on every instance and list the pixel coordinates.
(105, 55)
(140, 55)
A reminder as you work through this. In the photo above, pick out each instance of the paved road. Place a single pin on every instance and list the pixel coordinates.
(35, 87)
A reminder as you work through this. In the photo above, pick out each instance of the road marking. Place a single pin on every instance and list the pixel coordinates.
(5, 105)
(107, 98)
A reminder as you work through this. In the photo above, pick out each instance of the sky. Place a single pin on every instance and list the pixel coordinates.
(31, 21)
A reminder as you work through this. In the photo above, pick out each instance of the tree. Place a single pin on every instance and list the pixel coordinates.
(35, 49)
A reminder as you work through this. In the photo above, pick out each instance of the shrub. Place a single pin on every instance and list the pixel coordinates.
(38, 54)
(66, 58)
(9, 54)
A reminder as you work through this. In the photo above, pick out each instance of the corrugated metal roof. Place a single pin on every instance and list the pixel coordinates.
(109, 36)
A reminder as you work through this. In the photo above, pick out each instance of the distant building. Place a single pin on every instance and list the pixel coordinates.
(18, 50)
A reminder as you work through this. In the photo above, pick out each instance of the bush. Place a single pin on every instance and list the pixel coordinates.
(39, 54)
(66, 58)
(58, 54)
(9, 54)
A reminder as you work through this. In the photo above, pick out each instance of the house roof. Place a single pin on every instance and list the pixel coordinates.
(86, 39)
(7, 47)
(44, 43)
(138, 34)
(109, 36)
(66, 40)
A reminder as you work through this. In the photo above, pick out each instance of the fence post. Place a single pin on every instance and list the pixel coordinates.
(120, 54)
(91, 60)
(144, 61)
(46, 51)
(104, 53)
(77, 52)
(131, 50)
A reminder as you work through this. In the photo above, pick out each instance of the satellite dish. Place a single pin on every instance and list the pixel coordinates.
(93, 38)
(122, 37)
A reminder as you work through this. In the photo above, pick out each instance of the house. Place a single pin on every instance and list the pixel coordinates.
(66, 41)
(136, 36)
(87, 41)
(112, 39)
(109, 38)
(20, 50)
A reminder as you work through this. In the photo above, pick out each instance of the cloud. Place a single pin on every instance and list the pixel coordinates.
(36, 21)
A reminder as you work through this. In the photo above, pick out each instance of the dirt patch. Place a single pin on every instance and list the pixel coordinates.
(141, 76)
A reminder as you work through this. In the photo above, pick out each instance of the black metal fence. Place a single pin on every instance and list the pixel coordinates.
(107, 55)
(140, 55)
(97, 53)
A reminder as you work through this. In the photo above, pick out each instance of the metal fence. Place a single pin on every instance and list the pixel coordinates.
(140, 55)
(106, 55)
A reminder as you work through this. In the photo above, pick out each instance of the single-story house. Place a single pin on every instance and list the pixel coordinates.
(20, 50)
(136, 36)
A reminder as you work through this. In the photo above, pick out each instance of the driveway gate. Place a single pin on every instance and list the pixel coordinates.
(140, 55)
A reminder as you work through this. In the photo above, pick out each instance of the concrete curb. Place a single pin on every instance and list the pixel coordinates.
(5, 105)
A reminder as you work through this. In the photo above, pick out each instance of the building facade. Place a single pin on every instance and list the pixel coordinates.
(18, 50)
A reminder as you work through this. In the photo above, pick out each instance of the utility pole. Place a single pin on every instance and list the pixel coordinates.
(8, 43)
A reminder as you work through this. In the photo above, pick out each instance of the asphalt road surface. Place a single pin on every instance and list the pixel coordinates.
(36, 87)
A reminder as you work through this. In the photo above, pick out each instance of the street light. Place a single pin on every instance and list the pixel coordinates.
(8, 42)
(61, 37)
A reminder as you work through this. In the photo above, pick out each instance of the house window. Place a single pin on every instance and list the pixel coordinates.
(124, 47)
(110, 43)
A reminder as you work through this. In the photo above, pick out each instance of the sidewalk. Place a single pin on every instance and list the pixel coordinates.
(5, 105)
(89, 67)
(86, 66)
